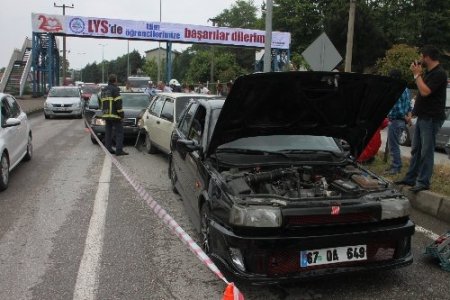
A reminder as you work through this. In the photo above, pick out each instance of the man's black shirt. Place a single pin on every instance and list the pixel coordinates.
(433, 105)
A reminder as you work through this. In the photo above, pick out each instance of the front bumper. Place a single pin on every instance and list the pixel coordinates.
(275, 259)
(63, 112)
(128, 131)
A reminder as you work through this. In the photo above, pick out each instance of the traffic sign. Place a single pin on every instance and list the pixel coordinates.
(321, 55)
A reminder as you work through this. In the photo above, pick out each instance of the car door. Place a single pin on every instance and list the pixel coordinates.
(11, 134)
(22, 129)
(179, 156)
(151, 118)
(164, 126)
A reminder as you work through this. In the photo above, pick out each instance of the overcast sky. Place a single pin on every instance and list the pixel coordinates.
(15, 23)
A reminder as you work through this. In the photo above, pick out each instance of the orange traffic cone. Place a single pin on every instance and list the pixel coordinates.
(232, 293)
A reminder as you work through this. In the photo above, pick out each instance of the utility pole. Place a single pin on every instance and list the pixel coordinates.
(350, 31)
(159, 46)
(128, 58)
(64, 39)
(268, 39)
(103, 62)
(214, 21)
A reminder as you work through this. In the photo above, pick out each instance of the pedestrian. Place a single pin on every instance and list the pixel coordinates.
(150, 90)
(113, 114)
(163, 88)
(399, 117)
(175, 85)
(429, 108)
(371, 150)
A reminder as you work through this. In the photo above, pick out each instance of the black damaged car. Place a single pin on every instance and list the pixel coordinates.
(269, 177)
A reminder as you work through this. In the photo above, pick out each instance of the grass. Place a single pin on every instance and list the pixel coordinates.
(439, 182)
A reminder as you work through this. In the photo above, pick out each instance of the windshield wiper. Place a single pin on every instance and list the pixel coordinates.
(312, 152)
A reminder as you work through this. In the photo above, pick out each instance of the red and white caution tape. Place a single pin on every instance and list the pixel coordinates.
(167, 219)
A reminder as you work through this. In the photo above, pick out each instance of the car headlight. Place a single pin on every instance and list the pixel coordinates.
(47, 105)
(394, 208)
(98, 122)
(140, 123)
(255, 216)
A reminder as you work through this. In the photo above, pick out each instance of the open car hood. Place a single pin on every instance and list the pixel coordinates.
(348, 106)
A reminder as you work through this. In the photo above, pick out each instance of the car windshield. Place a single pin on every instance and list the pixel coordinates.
(135, 100)
(69, 92)
(138, 82)
(284, 143)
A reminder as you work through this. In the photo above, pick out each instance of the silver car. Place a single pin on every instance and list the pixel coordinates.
(15, 137)
(63, 101)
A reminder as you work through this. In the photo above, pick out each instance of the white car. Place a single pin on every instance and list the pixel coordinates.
(15, 137)
(161, 116)
(63, 101)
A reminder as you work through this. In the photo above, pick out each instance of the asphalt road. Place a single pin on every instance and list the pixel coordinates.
(71, 227)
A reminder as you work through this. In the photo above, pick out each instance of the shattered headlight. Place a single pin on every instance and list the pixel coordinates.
(255, 216)
(392, 208)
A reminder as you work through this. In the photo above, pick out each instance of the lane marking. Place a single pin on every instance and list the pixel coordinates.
(428, 233)
(87, 279)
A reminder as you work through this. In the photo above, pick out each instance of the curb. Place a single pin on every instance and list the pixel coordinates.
(428, 202)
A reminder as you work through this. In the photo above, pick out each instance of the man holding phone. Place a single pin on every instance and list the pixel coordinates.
(429, 108)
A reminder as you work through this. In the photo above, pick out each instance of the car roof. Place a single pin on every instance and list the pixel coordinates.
(65, 87)
(176, 95)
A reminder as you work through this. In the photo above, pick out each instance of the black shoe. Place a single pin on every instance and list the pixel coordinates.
(120, 153)
(418, 188)
(112, 151)
(403, 182)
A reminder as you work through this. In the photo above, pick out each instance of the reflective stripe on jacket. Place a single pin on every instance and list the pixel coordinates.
(111, 103)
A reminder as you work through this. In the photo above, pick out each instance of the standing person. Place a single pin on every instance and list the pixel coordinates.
(113, 114)
(162, 86)
(399, 116)
(429, 108)
(150, 90)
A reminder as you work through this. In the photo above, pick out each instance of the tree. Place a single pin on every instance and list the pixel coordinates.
(398, 57)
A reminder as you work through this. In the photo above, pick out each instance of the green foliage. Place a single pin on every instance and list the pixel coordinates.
(150, 68)
(398, 57)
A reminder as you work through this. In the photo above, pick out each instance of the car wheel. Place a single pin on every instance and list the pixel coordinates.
(405, 139)
(29, 154)
(148, 144)
(4, 172)
(93, 140)
(204, 229)
(172, 176)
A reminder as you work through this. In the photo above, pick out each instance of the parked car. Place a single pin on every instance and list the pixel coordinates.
(92, 108)
(63, 101)
(273, 194)
(443, 134)
(15, 137)
(160, 117)
(133, 104)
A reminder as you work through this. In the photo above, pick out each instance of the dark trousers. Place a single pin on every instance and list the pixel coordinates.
(115, 126)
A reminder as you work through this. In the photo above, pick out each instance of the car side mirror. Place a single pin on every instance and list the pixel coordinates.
(167, 116)
(11, 122)
(188, 145)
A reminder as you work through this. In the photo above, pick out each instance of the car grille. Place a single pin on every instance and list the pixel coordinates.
(287, 262)
(62, 105)
(330, 219)
(129, 122)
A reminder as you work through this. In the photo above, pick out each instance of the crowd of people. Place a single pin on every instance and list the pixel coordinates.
(175, 87)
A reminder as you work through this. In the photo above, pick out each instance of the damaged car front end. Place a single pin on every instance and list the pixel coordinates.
(272, 191)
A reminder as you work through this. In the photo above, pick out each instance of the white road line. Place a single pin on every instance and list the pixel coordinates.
(428, 233)
(87, 279)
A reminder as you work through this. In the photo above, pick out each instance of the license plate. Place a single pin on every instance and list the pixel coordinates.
(60, 108)
(335, 255)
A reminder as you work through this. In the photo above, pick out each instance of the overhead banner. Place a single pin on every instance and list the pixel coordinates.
(155, 31)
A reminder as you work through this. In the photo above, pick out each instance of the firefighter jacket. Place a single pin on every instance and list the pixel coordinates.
(111, 103)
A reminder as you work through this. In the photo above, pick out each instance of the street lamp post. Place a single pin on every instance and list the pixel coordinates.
(103, 61)
(64, 40)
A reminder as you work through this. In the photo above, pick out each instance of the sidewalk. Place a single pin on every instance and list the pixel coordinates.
(31, 105)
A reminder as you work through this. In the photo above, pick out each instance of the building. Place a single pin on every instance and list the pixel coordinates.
(154, 53)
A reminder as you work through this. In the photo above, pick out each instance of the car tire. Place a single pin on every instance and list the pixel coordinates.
(93, 140)
(405, 139)
(148, 145)
(204, 229)
(29, 153)
(4, 172)
(172, 176)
